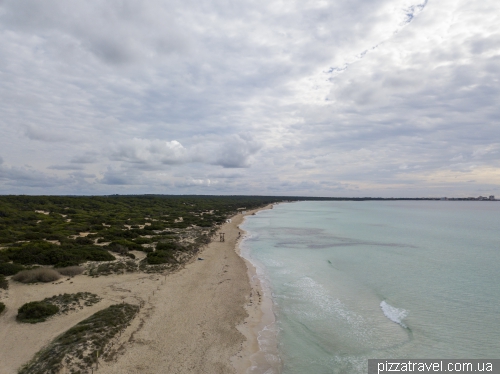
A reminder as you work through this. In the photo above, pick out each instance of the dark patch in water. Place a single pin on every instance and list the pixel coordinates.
(299, 237)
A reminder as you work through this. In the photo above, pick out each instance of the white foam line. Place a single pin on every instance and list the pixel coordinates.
(394, 314)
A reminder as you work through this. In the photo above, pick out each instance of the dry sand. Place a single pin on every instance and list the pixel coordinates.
(188, 323)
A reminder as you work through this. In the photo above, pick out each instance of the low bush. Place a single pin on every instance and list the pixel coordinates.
(36, 311)
(10, 269)
(70, 302)
(2, 307)
(3, 282)
(70, 271)
(144, 241)
(84, 240)
(37, 275)
(129, 246)
(160, 257)
(117, 248)
(68, 254)
(169, 246)
(109, 268)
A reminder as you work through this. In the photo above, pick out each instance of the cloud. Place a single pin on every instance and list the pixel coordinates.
(195, 183)
(236, 151)
(119, 177)
(65, 167)
(144, 151)
(233, 151)
(81, 175)
(85, 158)
(25, 177)
(35, 133)
(283, 97)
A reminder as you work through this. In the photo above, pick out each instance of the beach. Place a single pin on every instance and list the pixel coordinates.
(188, 322)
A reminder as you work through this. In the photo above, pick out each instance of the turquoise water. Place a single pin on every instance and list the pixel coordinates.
(400, 279)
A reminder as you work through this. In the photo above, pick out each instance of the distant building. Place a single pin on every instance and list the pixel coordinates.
(492, 197)
(444, 198)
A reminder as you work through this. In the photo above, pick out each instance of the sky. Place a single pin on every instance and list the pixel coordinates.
(348, 98)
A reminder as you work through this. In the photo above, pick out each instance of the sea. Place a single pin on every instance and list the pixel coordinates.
(354, 280)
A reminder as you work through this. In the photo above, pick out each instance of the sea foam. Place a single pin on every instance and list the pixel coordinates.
(394, 314)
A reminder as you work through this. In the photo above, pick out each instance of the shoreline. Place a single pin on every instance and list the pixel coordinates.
(259, 326)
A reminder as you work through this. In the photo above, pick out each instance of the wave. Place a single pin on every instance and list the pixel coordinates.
(394, 314)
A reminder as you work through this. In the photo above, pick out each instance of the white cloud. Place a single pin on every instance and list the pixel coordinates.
(145, 151)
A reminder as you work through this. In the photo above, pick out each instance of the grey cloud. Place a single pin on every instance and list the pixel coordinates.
(233, 151)
(225, 175)
(119, 177)
(79, 174)
(143, 151)
(86, 158)
(65, 167)
(17, 176)
(236, 151)
(36, 133)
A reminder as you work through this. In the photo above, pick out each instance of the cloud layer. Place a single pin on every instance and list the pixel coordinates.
(335, 98)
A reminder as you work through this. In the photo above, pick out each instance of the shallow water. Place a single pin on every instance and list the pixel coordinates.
(400, 279)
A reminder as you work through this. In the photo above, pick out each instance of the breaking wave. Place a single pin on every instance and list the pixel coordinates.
(394, 314)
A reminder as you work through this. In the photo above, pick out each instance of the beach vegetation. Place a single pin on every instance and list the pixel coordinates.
(4, 283)
(2, 307)
(7, 268)
(161, 257)
(69, 302)
(36, 275)
(108, 268)
(71, 271)
(67, 254)
(63, 231)
(36, 311)
(82, 345)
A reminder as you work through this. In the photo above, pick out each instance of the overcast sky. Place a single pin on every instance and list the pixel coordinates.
(271, 97)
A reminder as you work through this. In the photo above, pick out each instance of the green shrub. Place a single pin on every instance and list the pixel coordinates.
(37, 275)
(129, 246)
(2, 307)
(10, 269)
(144, 241)
(67, 254)
(169, 246)
(4, 283)
(118, 248)
(36, 311)
(160, 257)
(84, 240)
